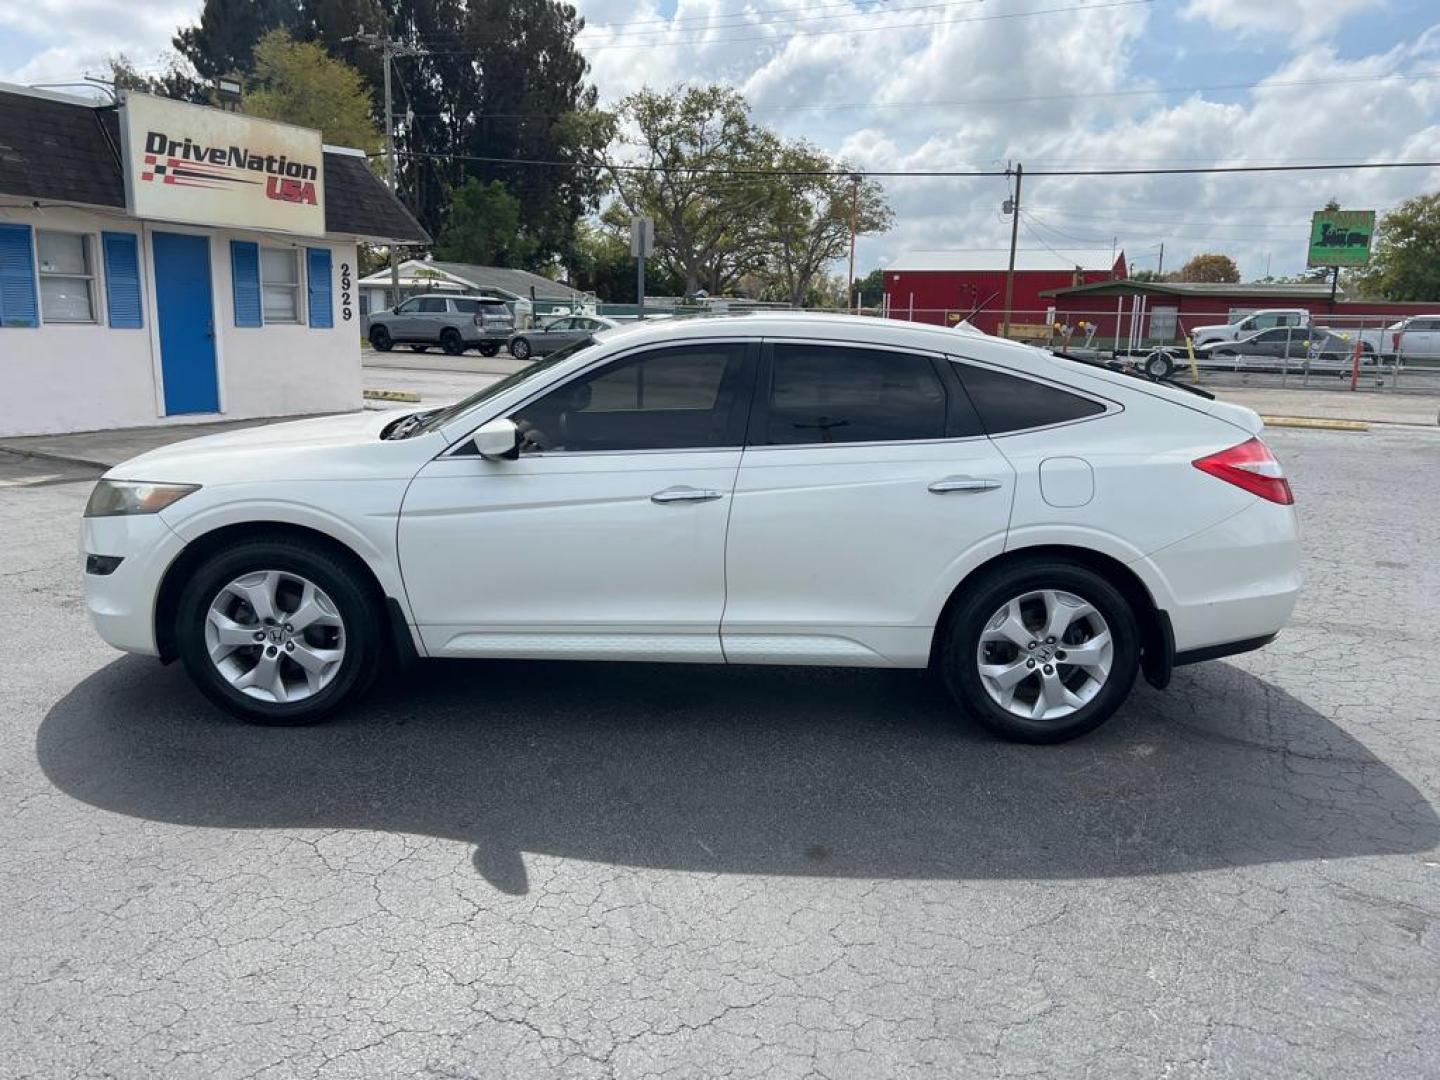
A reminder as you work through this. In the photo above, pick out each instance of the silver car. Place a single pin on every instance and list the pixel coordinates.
(455, 323)
(556, 334)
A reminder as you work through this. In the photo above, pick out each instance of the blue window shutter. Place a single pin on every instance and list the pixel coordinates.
(245, 282)
(19, 305)
(122, 280)
(317, 274)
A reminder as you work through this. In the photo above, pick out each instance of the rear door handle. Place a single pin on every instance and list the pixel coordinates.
(962, 483)
(685, 493)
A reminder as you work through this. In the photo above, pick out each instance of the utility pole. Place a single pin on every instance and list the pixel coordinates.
(389, 49)
(1160, 269)
(1014, 241)
(850, 289)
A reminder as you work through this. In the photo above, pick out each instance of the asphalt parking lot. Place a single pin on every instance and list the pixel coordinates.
(523, 870)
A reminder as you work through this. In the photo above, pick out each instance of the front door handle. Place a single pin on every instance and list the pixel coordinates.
(962, 483)
(684, 493)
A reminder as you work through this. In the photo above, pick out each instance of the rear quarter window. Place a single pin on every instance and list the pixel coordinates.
(1011, 403)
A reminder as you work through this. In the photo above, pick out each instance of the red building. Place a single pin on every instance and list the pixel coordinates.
(944, 287)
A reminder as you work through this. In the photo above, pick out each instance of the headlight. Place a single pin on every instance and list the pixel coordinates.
(112, 498)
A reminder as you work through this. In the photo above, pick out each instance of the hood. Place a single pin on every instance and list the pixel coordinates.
(327, 447)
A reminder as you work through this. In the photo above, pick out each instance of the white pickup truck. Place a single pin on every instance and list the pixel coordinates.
(1415, 338)
(1268, 319)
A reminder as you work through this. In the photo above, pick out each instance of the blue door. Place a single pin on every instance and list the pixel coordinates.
(187, 323)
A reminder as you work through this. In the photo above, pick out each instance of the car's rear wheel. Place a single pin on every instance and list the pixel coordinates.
(278, 631)
(380, 339)
(520, 349)
(451, 341)
(490, 348)
(1041, 651)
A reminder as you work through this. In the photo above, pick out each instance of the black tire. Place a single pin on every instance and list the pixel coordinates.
(419, 348)
(520, 348)
(338, 577)
(1159, 365)
(490, 348)
(983, 600)
(380, 339)
(451, 341)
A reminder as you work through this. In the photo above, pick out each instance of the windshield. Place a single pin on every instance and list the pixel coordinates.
(443, 416)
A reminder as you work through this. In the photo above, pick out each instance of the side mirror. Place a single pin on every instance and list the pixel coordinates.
(498, 439)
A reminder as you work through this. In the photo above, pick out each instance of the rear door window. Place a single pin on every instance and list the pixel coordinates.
(1012, 403)
(842, 394)
(432, 305)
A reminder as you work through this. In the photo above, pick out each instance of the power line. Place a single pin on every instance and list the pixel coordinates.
(936, 173)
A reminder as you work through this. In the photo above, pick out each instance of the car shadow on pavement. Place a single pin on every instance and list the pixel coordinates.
(751, 770)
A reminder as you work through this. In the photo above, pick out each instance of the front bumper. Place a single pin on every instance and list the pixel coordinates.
(122, 603)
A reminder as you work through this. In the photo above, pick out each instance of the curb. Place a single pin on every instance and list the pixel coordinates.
(406, 396)
(1315, 422)
(59, 459)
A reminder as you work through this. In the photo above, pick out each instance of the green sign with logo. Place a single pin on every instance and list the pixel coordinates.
(1341, 237)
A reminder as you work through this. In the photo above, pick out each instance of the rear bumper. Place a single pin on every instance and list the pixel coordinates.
(1215, 652)
(1231, 587)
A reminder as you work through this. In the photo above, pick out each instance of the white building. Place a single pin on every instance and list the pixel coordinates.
(163, 262)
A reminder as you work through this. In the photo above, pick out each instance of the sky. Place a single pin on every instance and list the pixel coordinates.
(975, 84)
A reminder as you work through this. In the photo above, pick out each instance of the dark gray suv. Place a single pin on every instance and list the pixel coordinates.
(455, 323)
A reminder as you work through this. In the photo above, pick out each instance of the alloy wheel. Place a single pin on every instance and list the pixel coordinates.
(1045, 654)
(275, 636)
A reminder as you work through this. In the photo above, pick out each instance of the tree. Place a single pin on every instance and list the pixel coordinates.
(1147, 275)
(172, 82)
(300, 84)
(602, 264)
(871, 288)
(1214, 268)
(808, 214)
(708, 220)
(223, 42)
(484, 227)
(1406, 260)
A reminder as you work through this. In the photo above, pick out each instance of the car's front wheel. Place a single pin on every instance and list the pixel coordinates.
(278, 631)
(1041, 651)
(520, 349)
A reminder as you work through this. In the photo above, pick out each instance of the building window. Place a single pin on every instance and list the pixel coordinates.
(67, 277)
(280, 284)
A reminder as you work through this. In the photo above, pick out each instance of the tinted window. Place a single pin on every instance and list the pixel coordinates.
(1263, 321)
(677, 398)
(409, 306)
(1009, 403)
(836, 394)
(468, 307)
(559, 324)
(432, 304)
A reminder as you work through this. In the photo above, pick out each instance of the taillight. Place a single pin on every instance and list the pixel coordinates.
(1253, 467)
(479, 319)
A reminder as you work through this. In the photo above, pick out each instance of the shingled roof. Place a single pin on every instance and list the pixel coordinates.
(55, 149)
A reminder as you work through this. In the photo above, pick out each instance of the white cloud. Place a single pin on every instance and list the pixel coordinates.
(1292, 21)
(1054, 92)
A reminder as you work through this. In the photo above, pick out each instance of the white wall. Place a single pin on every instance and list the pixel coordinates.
(65, 377)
